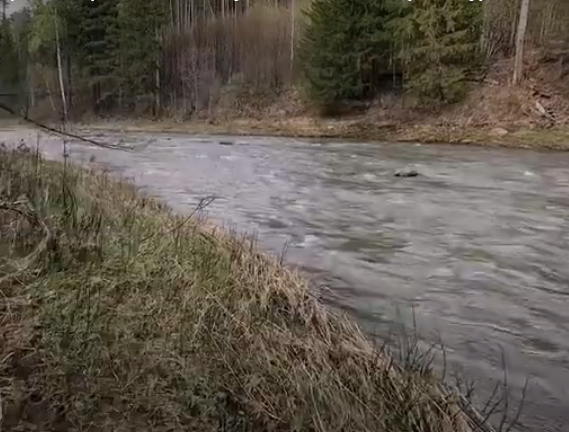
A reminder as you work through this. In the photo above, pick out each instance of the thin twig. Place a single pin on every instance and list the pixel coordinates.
(516, 419)
(203, 204)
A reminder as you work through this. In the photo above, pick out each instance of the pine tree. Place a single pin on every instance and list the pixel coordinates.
(9, 62)
(96, 36)
(89, 42)
(439, 46)
(344, 40)
(139, 48)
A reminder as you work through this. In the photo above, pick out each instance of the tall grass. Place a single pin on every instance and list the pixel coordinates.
(118, 315)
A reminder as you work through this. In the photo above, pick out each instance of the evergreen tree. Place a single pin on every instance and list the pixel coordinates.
(10, 71)
(139, 48)
(343, 42)
(96, 36)
(88, 39)
(439, 45)
(42, 35)
(9, 62)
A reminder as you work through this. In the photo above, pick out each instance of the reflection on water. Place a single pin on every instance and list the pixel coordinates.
(477, 244)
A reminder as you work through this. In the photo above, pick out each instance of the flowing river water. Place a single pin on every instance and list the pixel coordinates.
(477, 245)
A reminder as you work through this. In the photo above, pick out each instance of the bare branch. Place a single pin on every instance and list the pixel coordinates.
(62, 133)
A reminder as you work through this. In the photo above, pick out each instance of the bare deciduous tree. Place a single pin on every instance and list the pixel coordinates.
(520, 41)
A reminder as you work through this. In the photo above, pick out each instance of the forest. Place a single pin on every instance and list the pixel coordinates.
(202, 58)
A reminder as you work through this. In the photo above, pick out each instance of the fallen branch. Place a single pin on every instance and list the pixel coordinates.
(50, 129)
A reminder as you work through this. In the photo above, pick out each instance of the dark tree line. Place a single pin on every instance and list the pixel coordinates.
(182, 57)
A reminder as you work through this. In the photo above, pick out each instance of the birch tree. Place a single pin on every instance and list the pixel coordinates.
(520, 41)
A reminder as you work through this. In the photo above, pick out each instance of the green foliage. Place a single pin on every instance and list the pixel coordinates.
(93, 30)
(9, 62)
(343, 42)
(21, 29)
(42, 31)
(125, 53)
(139, 46)
(111, 44)
(439, 45)
(347, 45)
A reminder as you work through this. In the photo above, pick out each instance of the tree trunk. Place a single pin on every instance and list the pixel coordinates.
(157, 76)
(60, 68)
(520, 40)
(292, 30)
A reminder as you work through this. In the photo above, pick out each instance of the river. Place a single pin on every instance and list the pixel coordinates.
(477, 245)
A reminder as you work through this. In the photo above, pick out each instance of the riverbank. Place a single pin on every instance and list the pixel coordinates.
(119, 314)
(303, 127)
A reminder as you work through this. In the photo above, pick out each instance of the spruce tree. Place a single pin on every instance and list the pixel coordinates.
(343, 40)
(88, 39)
(139, 49)
(101, 49)
(9, 62)
(439, 45)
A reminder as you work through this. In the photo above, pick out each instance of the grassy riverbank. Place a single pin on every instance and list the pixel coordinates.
(303, 127)
(117, 314)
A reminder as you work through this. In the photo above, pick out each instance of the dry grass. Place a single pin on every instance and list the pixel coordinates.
(118, 315)
(556, 138)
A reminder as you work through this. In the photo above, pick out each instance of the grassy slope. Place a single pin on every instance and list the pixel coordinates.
(119, 315)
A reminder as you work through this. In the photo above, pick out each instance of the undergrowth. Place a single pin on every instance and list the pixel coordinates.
(119, 315)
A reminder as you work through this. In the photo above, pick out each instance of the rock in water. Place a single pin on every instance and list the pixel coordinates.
(406, 172)
(228, 143)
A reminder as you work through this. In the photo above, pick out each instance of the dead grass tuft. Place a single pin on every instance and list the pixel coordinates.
(124, 316)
